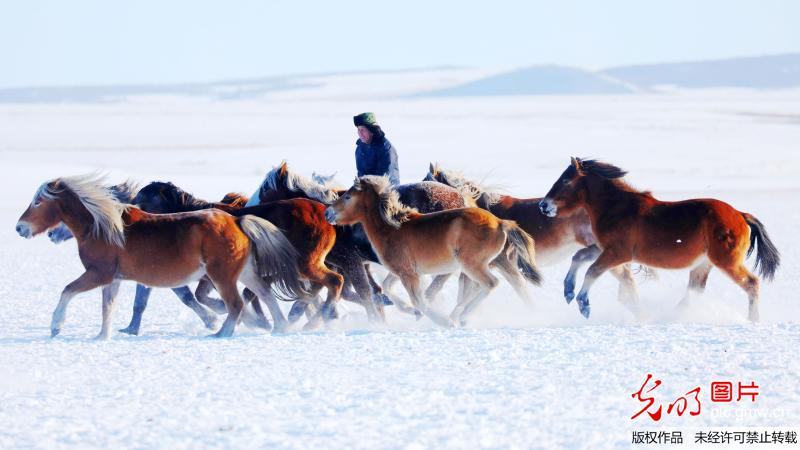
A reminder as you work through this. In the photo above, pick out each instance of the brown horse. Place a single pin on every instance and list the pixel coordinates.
(352, 249)
(631, 225)
(121, 242)
(556, 237)
(410, 244)
(302, 222)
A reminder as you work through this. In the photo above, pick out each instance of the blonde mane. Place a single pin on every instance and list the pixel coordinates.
(295, 182)
(393, 211)
(105, 210)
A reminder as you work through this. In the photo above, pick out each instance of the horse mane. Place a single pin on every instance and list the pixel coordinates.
(328, 181)
(612, 173)
(469, 188)
(296, 182)
(125, 191)
(106, 211)
(176, 196)
(235, 199)
(393, 211)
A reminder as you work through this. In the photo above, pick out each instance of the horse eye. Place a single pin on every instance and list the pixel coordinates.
(565, 181)
(347, 197)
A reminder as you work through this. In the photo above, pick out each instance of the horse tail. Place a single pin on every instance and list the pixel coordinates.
(275, 257)
(522, 242)
(767, 256)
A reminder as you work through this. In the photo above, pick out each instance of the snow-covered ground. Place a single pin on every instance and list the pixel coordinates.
(516, 377)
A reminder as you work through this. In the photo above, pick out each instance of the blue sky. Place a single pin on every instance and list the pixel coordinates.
(106, 42)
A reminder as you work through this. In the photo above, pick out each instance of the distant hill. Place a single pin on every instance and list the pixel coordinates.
(226, 90)
(761, 72)
(537, 80)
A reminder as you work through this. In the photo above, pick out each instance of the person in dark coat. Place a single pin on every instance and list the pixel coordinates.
(375, 155)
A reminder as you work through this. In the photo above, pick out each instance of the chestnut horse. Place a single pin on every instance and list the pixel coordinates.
(121, 242)
(125, 193)
(352, 249)
(555, 237)
(632, 225)
(410, 244)
(302, 222)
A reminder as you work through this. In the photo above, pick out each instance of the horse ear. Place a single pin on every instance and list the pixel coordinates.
(577, 163)
(431, 169)
(283, 169)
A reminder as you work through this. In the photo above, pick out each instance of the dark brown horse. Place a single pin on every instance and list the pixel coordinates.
(410, 244)
(121, 242)
(302, 221)
(556, 237)
(632, 225)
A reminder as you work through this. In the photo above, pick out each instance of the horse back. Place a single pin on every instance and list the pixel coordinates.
(429, 196)
(170, 249)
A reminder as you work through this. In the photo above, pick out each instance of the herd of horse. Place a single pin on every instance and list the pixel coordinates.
(296, 235)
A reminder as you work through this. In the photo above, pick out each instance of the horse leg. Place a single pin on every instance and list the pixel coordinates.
(581, 257)
(109, 303)
(233, 302)
(358, 276)
(307, 306)
(486, 283)
(203, 291)
(333, 283)
(388, 282)
(627, 294)
(256, 319)
(261, 286)
(749, 283)
(466, 292)
(377, 290)
(139, 305)
(87, 281)
(436, 286)
(412, 284)
(187, 298)
(607, 260)
(697, 282)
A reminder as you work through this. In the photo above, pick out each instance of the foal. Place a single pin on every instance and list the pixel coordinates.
(631, 225)
(410, 244)
(120, 242)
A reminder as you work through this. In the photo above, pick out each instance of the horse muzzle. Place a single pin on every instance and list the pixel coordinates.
(24, 229)
(548, 208)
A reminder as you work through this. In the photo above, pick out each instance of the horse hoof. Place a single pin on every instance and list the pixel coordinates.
(569, 296)
(130, 330)
(583, 306)
(331, 314)
(54, 332)
(385, 300)
(418, 315)
(102, 337)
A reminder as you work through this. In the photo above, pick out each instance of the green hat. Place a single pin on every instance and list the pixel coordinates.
(365, 119)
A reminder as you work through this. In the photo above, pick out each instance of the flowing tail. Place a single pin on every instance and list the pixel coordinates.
(276, 257)
(768, 258)
(523, 245)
